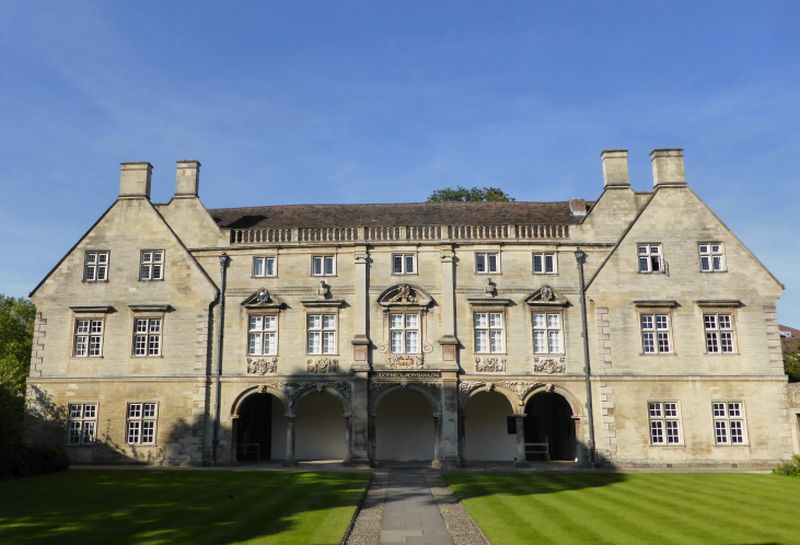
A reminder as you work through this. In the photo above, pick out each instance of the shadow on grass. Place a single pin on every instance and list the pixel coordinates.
(468, 485)
(185, 506)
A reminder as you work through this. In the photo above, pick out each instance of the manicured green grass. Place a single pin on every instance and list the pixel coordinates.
(634, 508)
(122, 507)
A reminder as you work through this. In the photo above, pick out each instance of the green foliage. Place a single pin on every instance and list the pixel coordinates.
(472, 194)
(16, 338)
(791, 364)
(790, 468)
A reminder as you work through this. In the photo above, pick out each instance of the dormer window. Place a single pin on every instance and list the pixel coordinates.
(95, 266)
(651, 258)
(151, 265)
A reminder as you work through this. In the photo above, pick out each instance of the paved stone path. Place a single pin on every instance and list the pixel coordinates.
(410, 513)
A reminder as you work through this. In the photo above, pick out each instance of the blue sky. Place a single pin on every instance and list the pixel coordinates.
(288, 102)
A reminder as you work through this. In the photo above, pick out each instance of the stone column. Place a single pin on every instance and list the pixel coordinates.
(437, 439)
(361, 308)
(359, 420)
(290, 459)
(462, 424)
(447, 307)
(448, 437)
(348, 438)
(519, 423)
(371, 441)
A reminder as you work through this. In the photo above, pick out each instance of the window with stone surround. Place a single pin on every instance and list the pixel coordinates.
(151, 265)
(487, 262)
(729, 426)
(147, 333)
(719, 333)
(547, 333)
(404, 264)
(95, 265)
(265, 266)
(545, 263)
(323, 265)
(88, 338)
(140, 425)
(321, 334)
(489, 332)
(656, 335)
(262, 335)
(81, 423)
(651, 258)
(712, 256)
(404, 333)
(665, 422)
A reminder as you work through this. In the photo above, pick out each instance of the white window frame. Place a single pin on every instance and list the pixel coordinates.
(489, 332)
(656, 333)
(712, 257)
(147, 340)
(650, 258)
(543, 258)
(96, 265)
(81, 423)
(718, 337)
(256, 334)
(141, 422)
(549, 327)
(664, 423)
(483, 263)
(323, 260)
(404, 260)
(87, 337)
(151, 265)
(406, 332)
(729, 423)
(264, 260)
(317, 330)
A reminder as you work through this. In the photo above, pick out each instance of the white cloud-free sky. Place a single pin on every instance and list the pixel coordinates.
(373, 101)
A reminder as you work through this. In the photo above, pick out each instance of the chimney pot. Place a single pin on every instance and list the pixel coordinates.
(187, 178)
(615, 168)
(668, 167)
(134, 180)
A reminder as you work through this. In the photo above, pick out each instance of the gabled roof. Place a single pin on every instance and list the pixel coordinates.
(392, 215)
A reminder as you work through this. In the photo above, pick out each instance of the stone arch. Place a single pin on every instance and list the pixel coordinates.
(574, 403)
(327, 388)
(552, 418)
(485, 420)
(259, 389)
(433, 399)
(514, 401)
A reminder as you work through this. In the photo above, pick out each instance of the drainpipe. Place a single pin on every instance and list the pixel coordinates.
(223, 269)
(580, 257)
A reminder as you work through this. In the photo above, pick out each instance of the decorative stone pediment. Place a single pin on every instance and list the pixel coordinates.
(547, 296)
(263, 299)
(404, 295)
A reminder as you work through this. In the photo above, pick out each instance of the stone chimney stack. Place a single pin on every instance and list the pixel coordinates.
(615, 169)
(187, 178)
(134, 180)
(668, 167)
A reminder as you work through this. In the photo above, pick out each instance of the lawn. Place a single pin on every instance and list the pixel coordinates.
(634, 508)
(90, 507)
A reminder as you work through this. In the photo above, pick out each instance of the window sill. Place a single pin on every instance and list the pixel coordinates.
(658, 354)
(336, 355)
(676, 446)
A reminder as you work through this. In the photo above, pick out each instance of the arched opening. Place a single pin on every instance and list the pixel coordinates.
(260, 429)
(549, 428)
(404, 427)
(488, 434)
(320, 428)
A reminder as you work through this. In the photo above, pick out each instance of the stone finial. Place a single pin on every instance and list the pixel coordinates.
(134, 180)
(668, 167)
(615, 168)
(187, 178)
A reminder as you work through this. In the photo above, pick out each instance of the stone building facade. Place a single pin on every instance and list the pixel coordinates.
(447, 333)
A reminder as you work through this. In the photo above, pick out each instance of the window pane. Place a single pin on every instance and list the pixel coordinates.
(317, 266)
(270, 322)
(656, 432)
(648, 343)
(481, 341)
(537, 263)
(492, 262)
(314, 321)
(538, 320)
(397, 264)
(328, 340)
(396, 321)
(481, 319)
(495, 319)
(480, 262)
(496, 341)
(314, 344)
(410, 264)
(329, 321)
(549, 263)
(269, 266)
(553, 321)
(553, 342)
(411, 321)
(661, 321)
(258, 266)
(647, 321)
(270, 347)
(397, 342)
(329, 265)
(412, 346)
(254, 343)
(538, 342)
(643, 264)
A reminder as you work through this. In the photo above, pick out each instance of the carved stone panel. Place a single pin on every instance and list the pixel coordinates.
(490, 364)
(549, 365)
(322, 365)
(262, 366)
(405, 361)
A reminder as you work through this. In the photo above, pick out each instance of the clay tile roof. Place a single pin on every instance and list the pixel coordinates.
(392, 215)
